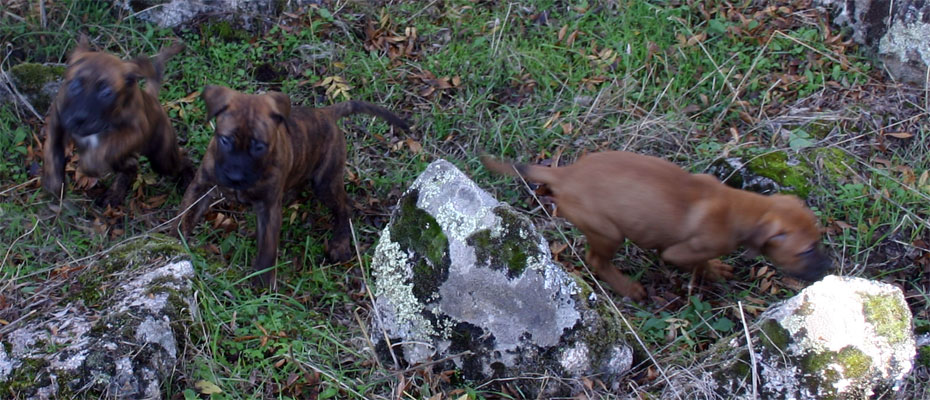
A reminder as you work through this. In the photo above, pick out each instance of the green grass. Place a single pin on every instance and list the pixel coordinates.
(642, 76)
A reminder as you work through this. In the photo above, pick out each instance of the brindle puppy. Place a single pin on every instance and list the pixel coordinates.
(111, 121)
(263, 150)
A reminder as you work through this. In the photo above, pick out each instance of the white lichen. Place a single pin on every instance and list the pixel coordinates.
(901, 39)
(394, 283)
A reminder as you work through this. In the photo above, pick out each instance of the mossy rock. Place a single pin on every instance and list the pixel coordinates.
(39, 83)
(31, 77)
(225, 31)
(793, 175)
(888, 316)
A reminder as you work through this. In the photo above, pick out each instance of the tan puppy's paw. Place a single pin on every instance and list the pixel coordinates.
(717, 270)
(636, 291)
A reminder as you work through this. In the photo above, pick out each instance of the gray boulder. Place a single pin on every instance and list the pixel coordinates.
(897, 30)
(463, 279)
(173, 13)
(124, 344)
(840, 338)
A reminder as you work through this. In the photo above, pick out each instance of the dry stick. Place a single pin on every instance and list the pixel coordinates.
(26, 183)
(184, 211)
(752, 353)
(602, 291)
(371, 297)
(495, 45)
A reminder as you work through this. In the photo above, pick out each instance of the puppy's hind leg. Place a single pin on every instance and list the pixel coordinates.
(331, 191)
(600, 254)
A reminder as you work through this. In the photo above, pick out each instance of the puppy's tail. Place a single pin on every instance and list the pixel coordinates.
(532, 173)
(153, 68)
(347, 108)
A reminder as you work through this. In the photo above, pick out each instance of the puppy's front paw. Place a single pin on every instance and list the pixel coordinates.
(111, 198)
(718, 270)
(636, 291)
(339, 251)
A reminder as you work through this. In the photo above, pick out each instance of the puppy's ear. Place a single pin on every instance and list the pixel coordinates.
(768, 229)
(140, 67)
(280, 106)
(83, 46)
(217, 99)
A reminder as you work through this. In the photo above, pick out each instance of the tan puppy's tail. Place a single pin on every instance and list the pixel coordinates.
(531, 173)
(153, 69)
(347, 108)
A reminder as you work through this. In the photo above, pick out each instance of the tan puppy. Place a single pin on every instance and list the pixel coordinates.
(264, 150)
(111, 121)
(691, 219)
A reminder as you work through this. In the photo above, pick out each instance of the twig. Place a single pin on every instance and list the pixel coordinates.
(752, 353)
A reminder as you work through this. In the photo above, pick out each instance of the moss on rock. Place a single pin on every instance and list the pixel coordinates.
(417, 231)
(774, 336)
(793, 175)
(509, 248)
(888, 316)
(224, 31)
(31, 77)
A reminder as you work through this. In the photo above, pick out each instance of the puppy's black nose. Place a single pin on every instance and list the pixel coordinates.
(76, 120)
(816, 266)
(234, 175)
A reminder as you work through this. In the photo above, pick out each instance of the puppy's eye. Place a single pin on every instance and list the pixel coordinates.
(75, 87)
(225, 141)
(104, 91)
(808, 252)
(258, 147)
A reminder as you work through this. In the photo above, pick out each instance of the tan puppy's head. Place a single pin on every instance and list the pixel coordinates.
(247, 130)
(96, 87)
(788, 234)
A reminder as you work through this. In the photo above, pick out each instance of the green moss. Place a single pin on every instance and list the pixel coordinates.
(795, 178)
(31, 77)
(224, 31)
(923, 356)
(417, 231)
(510, 248)
(889, 317)
(137, 252)
(855, 363)
(820, 375)
(832, 161)
(774, 337)
(30, 374)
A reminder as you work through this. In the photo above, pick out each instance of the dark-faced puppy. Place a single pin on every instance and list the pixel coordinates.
(691, 219)
(111, 121)
(264, 149)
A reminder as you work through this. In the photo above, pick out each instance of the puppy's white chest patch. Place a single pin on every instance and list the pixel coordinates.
(89, 142)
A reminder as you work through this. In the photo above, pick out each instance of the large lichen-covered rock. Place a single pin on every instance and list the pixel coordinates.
(173, 13)
(119, 339)
(840, 338)
(37, 83)
(897, 30)
(464, 278)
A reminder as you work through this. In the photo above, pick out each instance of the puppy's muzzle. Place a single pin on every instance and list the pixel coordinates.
(816, 265)
(236, 175)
